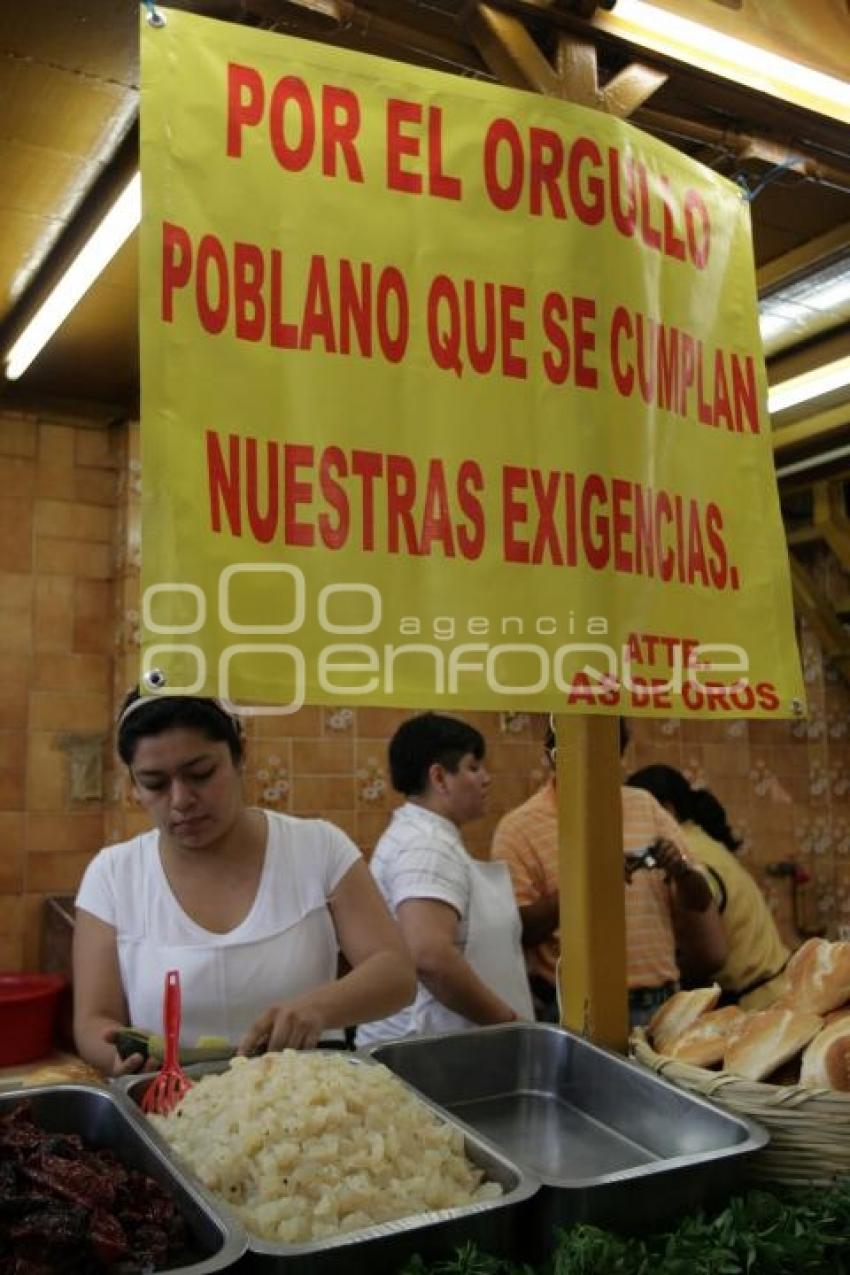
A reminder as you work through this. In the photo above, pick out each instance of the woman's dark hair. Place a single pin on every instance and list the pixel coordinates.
(423, 740)
(693, 805)
(141, 717)
(711, 817)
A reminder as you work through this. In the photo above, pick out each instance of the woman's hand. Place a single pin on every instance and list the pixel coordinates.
(692, 887)
(292, 1025)
(130, 1065)
(669, 859)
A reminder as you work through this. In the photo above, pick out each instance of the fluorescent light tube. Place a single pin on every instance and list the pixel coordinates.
(799, 389)
(799, 309)
(93, 258)
(726, 55)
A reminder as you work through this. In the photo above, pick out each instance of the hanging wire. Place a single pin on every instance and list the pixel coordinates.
(155, 17)
(752, 192)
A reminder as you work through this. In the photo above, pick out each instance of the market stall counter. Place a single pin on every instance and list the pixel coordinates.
(563, 1131)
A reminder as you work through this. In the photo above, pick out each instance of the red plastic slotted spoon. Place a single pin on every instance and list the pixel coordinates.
(171, 1082)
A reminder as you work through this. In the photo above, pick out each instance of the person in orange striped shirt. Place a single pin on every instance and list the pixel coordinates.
(668, 907)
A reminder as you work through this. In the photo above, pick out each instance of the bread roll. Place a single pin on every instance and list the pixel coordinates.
(825, 1061)
(704, 1043)
(818, 977)
(838, 1063)
(767, 1040)
(677, 1013)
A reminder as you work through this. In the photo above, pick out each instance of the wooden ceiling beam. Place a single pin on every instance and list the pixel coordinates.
(577, 71)
(799, 536)
(826, 347)
(576, 66)
(512, 55)
(627, 91)
(509, 51)
(800, 261)
(818, 428)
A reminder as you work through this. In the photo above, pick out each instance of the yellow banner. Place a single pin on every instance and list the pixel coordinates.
(452, 396)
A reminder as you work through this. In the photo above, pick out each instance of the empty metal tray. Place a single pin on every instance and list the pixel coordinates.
(103, 1120)
(383, 1249)
(611, 1142)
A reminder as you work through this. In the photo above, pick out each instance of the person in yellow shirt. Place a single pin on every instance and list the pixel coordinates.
(666, 909)
(753, 973)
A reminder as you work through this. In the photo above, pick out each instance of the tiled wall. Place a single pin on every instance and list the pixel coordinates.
(58, 495)
(69, 599)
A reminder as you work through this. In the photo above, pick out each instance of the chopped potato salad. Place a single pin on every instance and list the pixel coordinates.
(304, 1146)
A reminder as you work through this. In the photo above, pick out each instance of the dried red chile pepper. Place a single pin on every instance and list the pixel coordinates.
(67, 1207)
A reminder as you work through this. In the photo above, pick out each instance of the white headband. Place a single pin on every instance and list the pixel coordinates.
(152, 699)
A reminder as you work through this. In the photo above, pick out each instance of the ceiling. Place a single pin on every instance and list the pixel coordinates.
(68, 136)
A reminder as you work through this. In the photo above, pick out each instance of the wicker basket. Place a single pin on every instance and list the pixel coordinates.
(809, 1128)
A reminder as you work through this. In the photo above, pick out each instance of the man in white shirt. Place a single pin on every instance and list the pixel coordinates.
(458, 915)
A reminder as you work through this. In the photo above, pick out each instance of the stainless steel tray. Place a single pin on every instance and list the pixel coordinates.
(610, 1141)
(383, 1249)
(104, 1120)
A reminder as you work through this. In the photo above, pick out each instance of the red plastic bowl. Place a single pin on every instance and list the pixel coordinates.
(27, 1016)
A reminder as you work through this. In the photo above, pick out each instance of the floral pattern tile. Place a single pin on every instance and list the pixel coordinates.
(272, 785)
(371, 782)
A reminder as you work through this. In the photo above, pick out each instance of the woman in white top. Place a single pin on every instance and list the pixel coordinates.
(457, 914)
(251, 907)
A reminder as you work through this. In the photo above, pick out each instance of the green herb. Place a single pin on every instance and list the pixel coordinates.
(803, 1232)
(468, 1260)
(584, 1250)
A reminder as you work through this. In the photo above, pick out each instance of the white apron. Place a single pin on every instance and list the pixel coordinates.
(493, 948)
